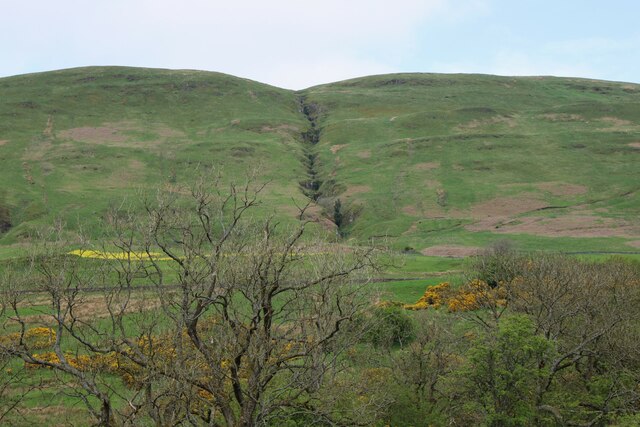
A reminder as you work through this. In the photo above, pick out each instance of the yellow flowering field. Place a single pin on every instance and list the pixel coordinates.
(157, 256)
(138, 256)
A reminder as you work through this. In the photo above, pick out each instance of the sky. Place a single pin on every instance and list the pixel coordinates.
(299, 43)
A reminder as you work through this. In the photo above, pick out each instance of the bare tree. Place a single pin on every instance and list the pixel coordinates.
(421, 365)
(13, 385)
(58, 279)
(210, 317)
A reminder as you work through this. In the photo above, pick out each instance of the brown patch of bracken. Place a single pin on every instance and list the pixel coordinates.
(314, 213)
(3, 142)
(166, 132)
(410, 210)
(561, 117)
(632, 144)
(616, 121)
(284, 128)
(115, 134)
(48, 130)
(507, 206)
(126, 176)
(432, 183)
(427, 166)
(99, 135)
(616, 124)
(634, 244)
(412, 229)
(451, 251)
(475, 124)
(562, 188)
(364, 154)
(491, 213)
(356, 189)
(335, 148)
(87, 307)
(52, 415)
(572, 225)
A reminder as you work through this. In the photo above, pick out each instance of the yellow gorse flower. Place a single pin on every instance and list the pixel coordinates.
(158, 256)
(136, 256)
(467, 298)
(34, 338)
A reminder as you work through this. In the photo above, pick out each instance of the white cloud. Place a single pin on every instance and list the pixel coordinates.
(277, 39)
(292, 43)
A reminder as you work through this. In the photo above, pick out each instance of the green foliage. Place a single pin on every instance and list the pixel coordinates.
(503, 370)
(337, 213)
(5, 213)
(499, 263)
(5, 219)
(627, 421)
(389, 326)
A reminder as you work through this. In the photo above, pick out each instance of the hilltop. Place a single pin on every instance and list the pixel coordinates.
(438, 163)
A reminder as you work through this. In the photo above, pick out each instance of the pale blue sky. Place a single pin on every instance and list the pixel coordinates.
(296, 43)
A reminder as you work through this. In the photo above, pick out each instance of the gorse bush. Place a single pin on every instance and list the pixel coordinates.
(36, 338)
(471, 296)
(434, 296)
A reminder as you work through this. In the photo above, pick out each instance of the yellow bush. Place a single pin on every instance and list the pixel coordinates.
(434, 297)
(463, 301)
(81, 362)
(40, 338)
(48, 357)
(472, 296)
(389, 304)
(35, 338)
(136, 256)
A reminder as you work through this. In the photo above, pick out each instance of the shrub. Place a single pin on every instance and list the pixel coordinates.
(35, 338)
(389, 326)
(434, 297)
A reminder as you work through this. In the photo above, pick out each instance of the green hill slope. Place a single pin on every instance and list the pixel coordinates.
(465, 159)
(74, 142)
(433, 161)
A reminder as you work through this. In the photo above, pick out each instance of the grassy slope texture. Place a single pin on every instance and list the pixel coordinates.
(74, 142)
(448, 160)
(435, 161)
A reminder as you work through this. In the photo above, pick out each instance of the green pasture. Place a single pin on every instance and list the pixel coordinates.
(418, 160)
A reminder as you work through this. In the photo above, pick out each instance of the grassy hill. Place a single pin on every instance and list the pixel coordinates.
(74, 142)
(436, 162)
(465, 159)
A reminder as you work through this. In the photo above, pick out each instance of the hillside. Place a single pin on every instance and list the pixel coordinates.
(465, 159)
(77, 141)
(428, 160)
